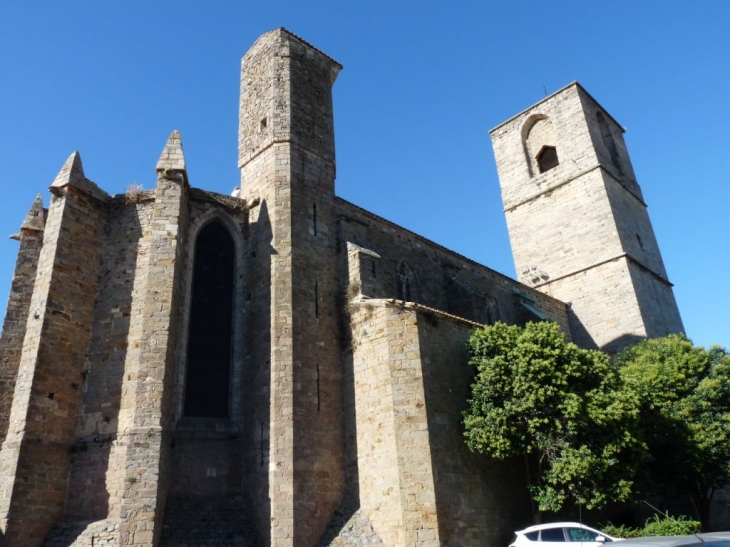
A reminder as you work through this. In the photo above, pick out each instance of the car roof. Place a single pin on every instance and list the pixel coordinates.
(710, 539)
(554, 525)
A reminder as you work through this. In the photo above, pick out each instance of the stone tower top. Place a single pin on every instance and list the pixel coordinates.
(589, 136)
(286, 96)
(578, 222)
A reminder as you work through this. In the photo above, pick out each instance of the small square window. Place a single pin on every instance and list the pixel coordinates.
(547, 158)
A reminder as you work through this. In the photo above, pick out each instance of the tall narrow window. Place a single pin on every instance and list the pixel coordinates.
(316, 299)
(406, 283)
(209, 352)
(608, 140)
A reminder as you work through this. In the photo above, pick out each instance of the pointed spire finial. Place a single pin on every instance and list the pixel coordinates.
(172, 158)
(35, 219)
(71, 173)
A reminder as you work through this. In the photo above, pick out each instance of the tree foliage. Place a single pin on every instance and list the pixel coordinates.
(685, 415)
(666, 525)
(559, 405)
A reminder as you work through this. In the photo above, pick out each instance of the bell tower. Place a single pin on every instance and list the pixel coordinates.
(578, 223)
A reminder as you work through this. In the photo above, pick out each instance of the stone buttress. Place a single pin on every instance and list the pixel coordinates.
(35, 460)
(30, 238)
(147, 421)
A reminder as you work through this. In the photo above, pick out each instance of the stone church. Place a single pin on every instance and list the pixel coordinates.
(280, 367)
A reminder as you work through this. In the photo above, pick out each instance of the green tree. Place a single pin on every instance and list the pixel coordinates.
(559, 406)
(685, 415)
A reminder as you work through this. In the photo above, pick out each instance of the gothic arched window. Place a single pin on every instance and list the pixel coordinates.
(210, 335)
(539, 142)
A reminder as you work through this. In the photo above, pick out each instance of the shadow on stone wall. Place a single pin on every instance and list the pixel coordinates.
(348, 526)
(337, 530)
(257, 375)
(479, 500)
(621, 342)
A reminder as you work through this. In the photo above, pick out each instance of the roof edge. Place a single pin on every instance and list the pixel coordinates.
(574, 83)
(299, 39)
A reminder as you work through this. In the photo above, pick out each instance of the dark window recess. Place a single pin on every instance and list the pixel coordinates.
(207, 382)
(641, 243)
(547, 158)
(318, 392)
(405, 282)
(608, 140)
(492, 310)
(316, 299)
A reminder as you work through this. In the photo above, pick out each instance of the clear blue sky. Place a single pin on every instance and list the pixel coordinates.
(423, 82)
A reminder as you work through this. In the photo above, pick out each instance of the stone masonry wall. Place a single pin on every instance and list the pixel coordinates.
(113, 339)
(318, 441)
(580, 209)
(657, 302)
(477, 498)
(442, 279)
(148, 437)
(396, 485)
(612, 288)
(265, 175)
(418, 484)
(607, 136)
(634, 227)
(318, 433)
(258, 336)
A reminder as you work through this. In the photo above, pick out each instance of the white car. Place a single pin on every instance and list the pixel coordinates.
(557, 534)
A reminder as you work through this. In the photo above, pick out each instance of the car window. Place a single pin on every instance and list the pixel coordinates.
(581, 534)
(552, 534)
(532, 536)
